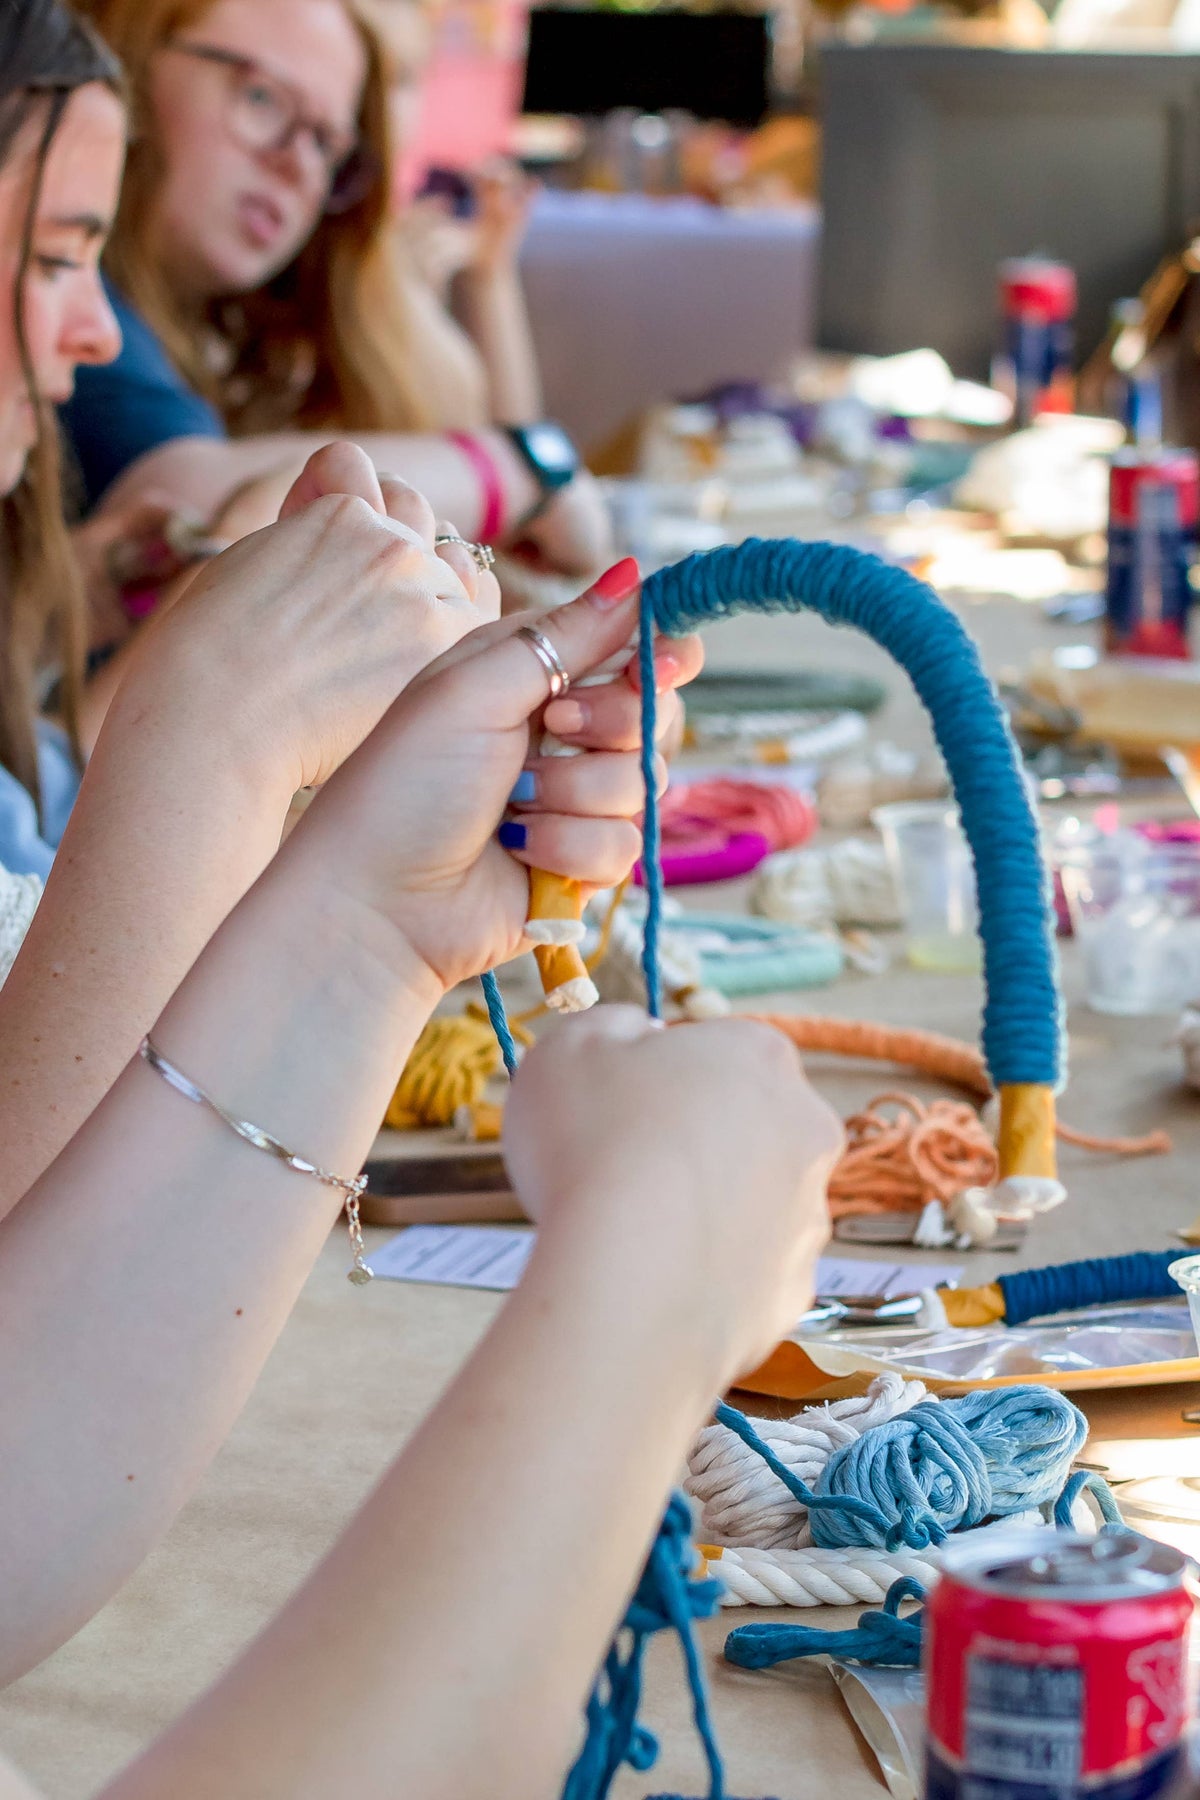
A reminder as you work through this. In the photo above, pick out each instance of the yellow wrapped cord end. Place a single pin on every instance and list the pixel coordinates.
(1025, 1139)
(973, 1306)
(555, 914)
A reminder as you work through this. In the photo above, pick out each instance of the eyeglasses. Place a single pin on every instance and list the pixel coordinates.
(264, 112)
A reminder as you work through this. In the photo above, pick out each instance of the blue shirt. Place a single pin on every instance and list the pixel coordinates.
(23, 849)
(120, 411)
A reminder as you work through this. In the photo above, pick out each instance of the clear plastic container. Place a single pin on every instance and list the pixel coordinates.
(931, 862)
(1135, 910)
(1187, 1273)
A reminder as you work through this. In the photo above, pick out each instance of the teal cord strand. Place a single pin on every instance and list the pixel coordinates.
(494, 1001)
(652, 875)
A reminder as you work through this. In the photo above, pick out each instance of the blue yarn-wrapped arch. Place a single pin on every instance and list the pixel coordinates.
(1022, 1030)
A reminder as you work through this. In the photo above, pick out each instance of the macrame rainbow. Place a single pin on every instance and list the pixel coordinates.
(1022, 1026)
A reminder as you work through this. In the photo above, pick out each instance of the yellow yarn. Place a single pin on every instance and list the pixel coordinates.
(451, 1064)
(973, 1306)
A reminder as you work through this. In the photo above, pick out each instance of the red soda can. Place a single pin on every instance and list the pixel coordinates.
(1153, 509)
(1034, 366)
(1056, 1668)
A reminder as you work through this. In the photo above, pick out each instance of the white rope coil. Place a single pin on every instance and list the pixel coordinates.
(741, 1501)
(813, 1577)
(850, 883)
(837, 1577)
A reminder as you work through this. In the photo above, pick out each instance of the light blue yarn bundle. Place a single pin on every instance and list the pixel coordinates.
(943, 1466)
(1022, 1031)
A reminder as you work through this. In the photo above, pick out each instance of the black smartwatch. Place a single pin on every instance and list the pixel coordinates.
(550, 457)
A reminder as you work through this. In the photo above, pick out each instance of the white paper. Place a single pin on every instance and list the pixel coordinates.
(838, 1275)
(475, 1256)
(494, 1257)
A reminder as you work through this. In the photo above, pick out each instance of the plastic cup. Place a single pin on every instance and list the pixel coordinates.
(1135, 911)
(1187, 1273)
(931, 862)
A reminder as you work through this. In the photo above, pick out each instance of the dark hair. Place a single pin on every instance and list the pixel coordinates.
(46, 53)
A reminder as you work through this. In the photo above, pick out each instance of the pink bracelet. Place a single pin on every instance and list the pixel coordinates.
(492, 487)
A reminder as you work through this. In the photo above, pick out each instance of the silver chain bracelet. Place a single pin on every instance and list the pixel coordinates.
(360, 1272)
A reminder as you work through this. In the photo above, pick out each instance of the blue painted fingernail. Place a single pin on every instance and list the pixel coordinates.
(512, 835)
(525, 788)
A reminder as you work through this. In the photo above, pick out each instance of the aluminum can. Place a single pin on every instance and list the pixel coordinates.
(1034, 366)
(1056, 1668)
(1153, 508)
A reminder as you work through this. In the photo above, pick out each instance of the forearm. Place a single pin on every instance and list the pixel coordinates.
(204, 475)
(492, 310)
(167, 835)
(147, 1275)
(483, 1578)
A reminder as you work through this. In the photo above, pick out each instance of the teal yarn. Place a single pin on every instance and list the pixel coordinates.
(881, 1639)
(763, 956)
(1096, 1281)
(1022, 1035)
(499, 1021)
(1022, 1029)
(668, 1597)
(943, 1466)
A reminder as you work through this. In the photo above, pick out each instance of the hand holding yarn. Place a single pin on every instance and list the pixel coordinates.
(307, 632)
(409, 824)
(720, 1109)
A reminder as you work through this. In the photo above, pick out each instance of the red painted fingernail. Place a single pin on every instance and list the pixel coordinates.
(615, 584)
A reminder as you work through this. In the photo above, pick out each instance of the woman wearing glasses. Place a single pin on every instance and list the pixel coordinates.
(255, 279)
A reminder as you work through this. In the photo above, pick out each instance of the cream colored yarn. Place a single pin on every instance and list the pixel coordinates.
(19, 895)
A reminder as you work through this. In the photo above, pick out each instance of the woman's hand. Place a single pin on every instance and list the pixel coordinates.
(292, 645)
(503, 196)
(701, 1150)
(409, 825)
(572, 534)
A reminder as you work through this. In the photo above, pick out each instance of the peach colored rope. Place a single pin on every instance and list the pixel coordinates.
(901, 1153)
(945, 1057)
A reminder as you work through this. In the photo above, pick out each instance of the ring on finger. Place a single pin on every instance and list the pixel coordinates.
(482, 555)
(549, 658)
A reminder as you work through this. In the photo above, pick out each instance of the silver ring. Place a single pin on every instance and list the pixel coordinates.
(549, 658)
(482, 555)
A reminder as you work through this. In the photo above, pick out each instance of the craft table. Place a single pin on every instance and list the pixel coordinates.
(356, 1369)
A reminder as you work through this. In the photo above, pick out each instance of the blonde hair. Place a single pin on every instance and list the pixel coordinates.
(328, 342)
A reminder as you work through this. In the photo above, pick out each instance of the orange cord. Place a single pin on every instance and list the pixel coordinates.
(898, 1160)
(946, 1058)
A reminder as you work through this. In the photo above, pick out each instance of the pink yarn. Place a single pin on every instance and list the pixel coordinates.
(715, 830)
(777, 812)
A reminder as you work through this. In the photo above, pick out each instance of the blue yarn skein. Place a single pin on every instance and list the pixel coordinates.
(1065, 1287)
(1022, 1029)
(944, 1466)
